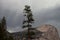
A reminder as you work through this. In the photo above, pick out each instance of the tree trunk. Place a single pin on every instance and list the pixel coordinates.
(28, 34)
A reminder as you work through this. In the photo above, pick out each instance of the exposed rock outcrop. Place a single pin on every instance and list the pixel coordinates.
(44, 32)
(49, 32)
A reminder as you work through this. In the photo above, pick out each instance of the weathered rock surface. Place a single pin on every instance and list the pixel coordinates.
(49, 32)
(44, 32)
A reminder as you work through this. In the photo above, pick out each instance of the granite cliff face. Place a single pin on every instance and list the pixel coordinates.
(44, 32)
(49, 32)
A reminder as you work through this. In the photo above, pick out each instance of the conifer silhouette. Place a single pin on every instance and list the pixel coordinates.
(28, 20)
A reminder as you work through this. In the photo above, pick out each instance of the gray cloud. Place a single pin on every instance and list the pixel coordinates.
(49, 16)
(45, 16)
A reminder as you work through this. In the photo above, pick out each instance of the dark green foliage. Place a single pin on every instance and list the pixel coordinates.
(28, 21)
(31, 34)
(29, 16)
(27, 26)
(3, 34)
(3, 31)
(10, 38)
(3, 21)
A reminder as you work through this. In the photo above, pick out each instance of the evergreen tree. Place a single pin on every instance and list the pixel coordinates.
(28, 20)
(0, 32)
(3, 21)
(3, 34)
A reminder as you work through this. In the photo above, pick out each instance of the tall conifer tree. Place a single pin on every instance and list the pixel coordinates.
(3, 30)
(28, 20)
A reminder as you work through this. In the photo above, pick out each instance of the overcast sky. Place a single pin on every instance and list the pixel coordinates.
(44, 11)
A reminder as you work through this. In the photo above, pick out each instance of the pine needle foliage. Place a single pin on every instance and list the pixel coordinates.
(28, 20)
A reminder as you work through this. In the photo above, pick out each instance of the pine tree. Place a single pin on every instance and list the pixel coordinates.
(3, 22)
(3, 33)
(0, 32)
(28, 20)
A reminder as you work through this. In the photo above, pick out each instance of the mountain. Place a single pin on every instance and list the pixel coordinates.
(50, 32)
(44, 32)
